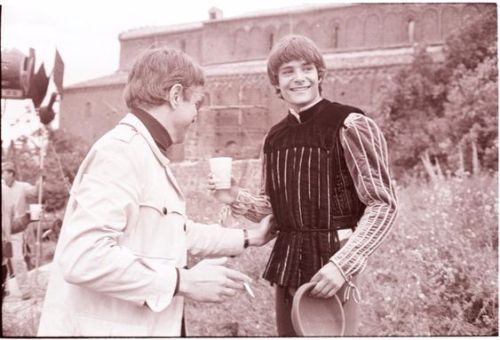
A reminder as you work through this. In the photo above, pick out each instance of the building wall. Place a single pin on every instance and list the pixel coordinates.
(189, 42)
(334, 28)
(364, 46)
(90, 112)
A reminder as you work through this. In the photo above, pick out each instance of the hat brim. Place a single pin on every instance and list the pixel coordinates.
(317, 316)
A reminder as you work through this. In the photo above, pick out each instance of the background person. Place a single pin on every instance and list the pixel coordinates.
(10, 225)
(18, 193)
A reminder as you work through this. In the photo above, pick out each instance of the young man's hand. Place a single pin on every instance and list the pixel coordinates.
(329, 280)
(227, 196)
(210, 281)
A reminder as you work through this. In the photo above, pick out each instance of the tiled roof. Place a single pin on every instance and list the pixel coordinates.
(116, 78)
(155, 30)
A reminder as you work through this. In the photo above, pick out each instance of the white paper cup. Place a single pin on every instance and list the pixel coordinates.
(35, 211)
(221, 169)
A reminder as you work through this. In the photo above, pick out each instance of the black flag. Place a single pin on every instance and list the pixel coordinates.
(38, 87)
(58, 72)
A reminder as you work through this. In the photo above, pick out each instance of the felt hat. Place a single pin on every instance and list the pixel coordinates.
(317, 316)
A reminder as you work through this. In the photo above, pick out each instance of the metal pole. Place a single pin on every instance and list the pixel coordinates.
(40, 196)
(4, 106)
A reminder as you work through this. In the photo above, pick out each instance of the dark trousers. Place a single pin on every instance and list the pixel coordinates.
(284, 300)
(5, 273)
(183, 328)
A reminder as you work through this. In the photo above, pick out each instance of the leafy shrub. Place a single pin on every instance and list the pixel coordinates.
(64, 153)
(436, 274)
(441, 109)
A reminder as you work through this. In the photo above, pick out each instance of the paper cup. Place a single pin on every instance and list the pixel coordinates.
(221, 169)
(35, 211)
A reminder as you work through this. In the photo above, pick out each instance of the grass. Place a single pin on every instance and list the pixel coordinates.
(20, 317)
(436, 274)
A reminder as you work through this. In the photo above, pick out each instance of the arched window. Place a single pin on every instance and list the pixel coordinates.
(411, 31)
(271, 41)
(335, 36)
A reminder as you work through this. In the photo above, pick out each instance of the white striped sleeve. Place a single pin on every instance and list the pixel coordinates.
(253, 207)
(365, 152)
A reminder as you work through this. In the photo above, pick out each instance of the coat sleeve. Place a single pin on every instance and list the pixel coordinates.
(213, 240)
(103, 198)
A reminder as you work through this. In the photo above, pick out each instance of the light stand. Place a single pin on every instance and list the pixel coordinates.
(38, 248)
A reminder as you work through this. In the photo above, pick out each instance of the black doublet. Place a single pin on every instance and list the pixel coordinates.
(311, 192)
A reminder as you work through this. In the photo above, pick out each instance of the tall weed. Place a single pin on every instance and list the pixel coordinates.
(437, 272)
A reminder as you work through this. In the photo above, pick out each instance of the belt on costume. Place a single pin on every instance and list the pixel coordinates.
(312, 230)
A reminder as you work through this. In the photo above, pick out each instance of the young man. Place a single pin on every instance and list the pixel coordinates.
(18, 193)
(119, 267)
(327, 182)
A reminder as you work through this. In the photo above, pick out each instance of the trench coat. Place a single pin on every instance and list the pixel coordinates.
(125, 230)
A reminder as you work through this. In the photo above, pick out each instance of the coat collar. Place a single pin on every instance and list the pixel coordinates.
(131, 120)
(157, 131)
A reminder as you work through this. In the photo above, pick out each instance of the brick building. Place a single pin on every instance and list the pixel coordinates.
(364, 45)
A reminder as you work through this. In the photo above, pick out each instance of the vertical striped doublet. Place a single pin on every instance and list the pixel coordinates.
(311, 191)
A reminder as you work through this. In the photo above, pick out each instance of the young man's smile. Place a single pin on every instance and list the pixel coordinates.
(299, 83)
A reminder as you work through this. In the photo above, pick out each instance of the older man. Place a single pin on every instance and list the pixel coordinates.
(119, 267)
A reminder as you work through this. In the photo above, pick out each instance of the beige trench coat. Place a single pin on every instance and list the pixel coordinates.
(124, 232)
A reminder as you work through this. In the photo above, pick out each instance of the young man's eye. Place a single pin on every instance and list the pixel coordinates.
(309, 68)
(286, 71)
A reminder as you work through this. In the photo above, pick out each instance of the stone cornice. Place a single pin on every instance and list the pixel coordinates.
(334, 61)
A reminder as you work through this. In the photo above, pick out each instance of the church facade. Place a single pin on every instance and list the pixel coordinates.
(364, 46)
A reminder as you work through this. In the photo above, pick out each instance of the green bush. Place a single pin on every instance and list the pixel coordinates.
(64, 153)
(437, 274)
(442, 109)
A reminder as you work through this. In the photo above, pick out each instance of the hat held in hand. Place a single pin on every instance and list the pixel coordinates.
(313, 316)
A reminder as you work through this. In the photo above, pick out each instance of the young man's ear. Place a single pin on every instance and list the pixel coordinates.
(175, 95)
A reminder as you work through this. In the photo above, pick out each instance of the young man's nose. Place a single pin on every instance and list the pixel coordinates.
(299, 76)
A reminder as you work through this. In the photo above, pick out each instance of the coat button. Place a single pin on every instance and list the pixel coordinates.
(164, 211)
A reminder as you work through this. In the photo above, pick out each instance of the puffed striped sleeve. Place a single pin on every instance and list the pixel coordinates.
(365, 152)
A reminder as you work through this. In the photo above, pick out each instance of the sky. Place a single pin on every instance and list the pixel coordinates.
(85, 32)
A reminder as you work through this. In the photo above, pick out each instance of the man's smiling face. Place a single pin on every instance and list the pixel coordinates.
(298, 82)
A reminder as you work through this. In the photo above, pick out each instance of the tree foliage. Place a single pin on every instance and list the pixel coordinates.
(64, 153)
(442, 109)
